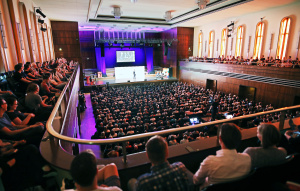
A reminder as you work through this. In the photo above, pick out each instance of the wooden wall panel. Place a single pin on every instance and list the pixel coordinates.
(279, 96)
(185, 38)
(87, 47)
(66, 36)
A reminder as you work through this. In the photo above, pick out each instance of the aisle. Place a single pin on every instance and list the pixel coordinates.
(88, 127)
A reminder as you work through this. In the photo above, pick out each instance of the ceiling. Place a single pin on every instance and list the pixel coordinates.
(148, 15)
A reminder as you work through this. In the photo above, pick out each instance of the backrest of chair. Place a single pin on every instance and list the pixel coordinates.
(242, 183)
(276, 173)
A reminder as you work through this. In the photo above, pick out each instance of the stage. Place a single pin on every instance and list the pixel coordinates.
(111, 80)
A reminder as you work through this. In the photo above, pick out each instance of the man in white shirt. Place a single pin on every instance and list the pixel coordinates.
(227, 164)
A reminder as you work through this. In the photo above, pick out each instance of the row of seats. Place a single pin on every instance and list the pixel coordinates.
(264, 178)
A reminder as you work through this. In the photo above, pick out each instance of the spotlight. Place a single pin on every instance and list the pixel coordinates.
(202, 3)
(168, 16)
(110, 44)
(122, 44)
(40, 21)
(43, 29)
(158, 45)
(117, 12)
(116, 42)
(132, 44)
(40, 12)
(142, 43)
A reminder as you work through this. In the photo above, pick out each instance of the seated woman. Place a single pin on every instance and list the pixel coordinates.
(268, 154)
(16, 116)
(36, 105)
(46, 88)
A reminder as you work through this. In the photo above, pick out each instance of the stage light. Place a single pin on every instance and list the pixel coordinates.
(122, 44)
(110, 44)
(40, 12)
(202, 3)
(116, 42)
(43, 29)
(168, 16)
(158, 44)
(40, 21)
(142, 43)
(132, 44)
(117, 12)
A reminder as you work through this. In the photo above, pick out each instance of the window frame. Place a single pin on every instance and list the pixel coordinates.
(283, 38)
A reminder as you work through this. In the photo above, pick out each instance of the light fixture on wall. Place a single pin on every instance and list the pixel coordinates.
(43, 29)
(168, 16)
(117, 12)
(39, 11)
(202, 3)
(40, 21)
(230, 29)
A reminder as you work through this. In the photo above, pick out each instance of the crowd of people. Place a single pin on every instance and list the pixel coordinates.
(240, 60)
(24, 109)
(226, 165)
(127, 110)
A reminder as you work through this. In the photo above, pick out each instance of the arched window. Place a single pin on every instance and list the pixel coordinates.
(200, 45)
(223, 43)
(258, 40)
(283, 37)
(211, 44)
(239, 41)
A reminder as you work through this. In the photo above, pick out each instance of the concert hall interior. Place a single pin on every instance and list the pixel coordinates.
(107, 76)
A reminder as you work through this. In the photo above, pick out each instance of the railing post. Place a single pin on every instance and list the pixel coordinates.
(124, 152)
(282, 119)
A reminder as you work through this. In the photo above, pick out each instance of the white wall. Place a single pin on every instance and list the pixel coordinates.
(271, 17)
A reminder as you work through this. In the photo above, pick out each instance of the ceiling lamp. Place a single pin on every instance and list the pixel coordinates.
(168, 16)
(117, 12)
(202, 3)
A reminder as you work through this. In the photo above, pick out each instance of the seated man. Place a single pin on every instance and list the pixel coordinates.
(163, 176)
(86, 175)
(227, 164)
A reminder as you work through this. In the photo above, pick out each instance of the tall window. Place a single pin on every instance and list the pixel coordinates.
(258, 40)
(239, 41)
(211, 44)
(283, 37)
(200, 45)
(223, 43)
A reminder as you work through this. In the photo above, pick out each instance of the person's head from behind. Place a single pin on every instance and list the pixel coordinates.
(268, 135)
(46, 77)
(84, 169)
(229, 135)
(32, 88)
(157, 150)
